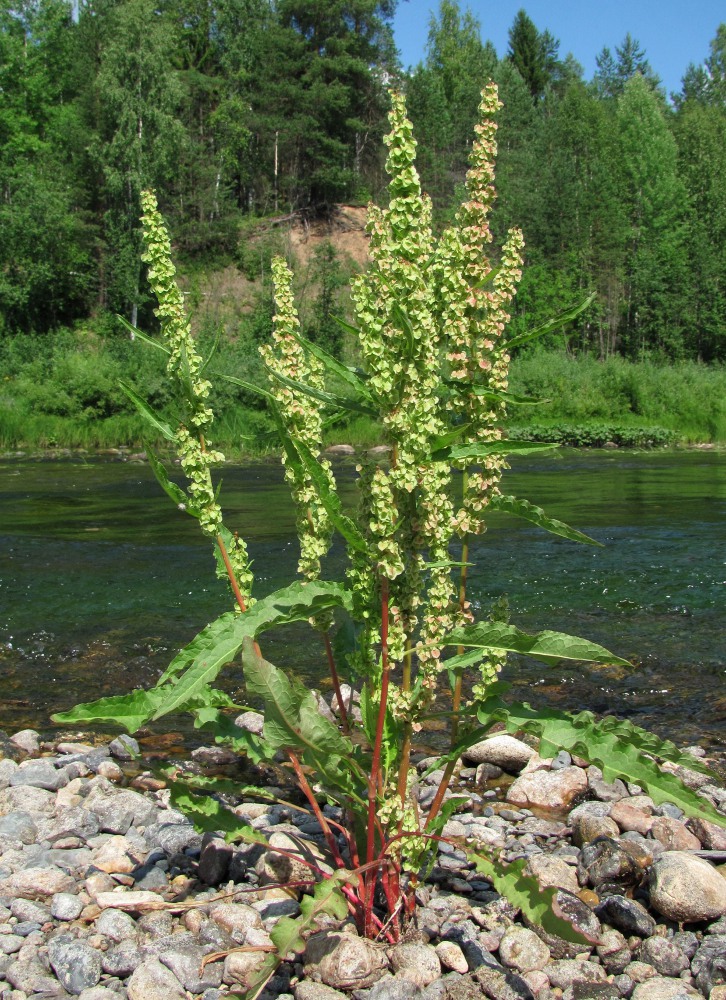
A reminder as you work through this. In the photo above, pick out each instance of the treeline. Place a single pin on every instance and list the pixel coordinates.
(242, 109)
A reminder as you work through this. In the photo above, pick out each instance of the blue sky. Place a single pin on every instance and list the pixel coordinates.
(672, 32)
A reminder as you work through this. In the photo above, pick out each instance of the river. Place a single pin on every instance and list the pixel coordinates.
(101, 580)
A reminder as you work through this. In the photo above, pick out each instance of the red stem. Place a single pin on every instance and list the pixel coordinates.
(309, 795)
(230, 573)
(376, 762)
(336, 684)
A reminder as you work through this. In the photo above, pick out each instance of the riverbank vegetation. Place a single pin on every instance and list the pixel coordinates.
(259, 125)
(63, 392)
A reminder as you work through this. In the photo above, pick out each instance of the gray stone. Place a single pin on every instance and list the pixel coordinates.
(124, 747)
(416, 962)
(156, 924)
(253, 722)
(73, 822)
(275, 867)
(122, 960)
(613, 952)
(552, 871)
(36, 801)
(173, 838)
(118, 809)
(117, 925)
(10, 943)
(660, 988)
(608, 867)
(627, 915)
(237, 919)
(214, 859)
(18, 826)
(603, 790)
(32, 883)
(186, 965)
(498, 984)
(709, 962)
(308, 990)
(65, 906)
(153, 981)
(344, 961)
(98, 993)
(76, 964)
(556, 790)
(390, 988)
(501, 750)
(7, 769)
(27, 910)
(32, 977)
(686, 889)
(465, 934)
(39, 774)
(27, 740)
(580, 916)
(666, 958)
(566, 972)
(522, 950)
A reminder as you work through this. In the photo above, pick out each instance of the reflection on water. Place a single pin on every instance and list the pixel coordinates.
(101, 580)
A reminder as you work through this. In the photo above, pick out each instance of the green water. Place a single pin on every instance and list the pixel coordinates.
(101, 580)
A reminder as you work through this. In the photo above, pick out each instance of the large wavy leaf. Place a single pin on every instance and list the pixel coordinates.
(617, 747)
(128, 710)
(292, 717)
(547, 646)
(529, 512)
(209, 815)
(524, 891)
(297, 602)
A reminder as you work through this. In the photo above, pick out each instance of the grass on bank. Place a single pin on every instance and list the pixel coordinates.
(63, 392)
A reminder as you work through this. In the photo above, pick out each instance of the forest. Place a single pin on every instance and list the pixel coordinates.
(244, 115)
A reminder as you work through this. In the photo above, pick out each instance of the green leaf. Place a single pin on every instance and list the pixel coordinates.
(145, 410)
(292, 716)
(402, 321)
(483, 449)
(244, 385)
(227, 733)
(348, 327)
(449, 438)
(209, 815)
(220, 642)
(331, 398)
(135, 333)
(538, 903)
(558, 321)
(128, 710)
(177, 494)
(335, 367)
(616, 746)
(287, 934)
(506, 397)
(529, 512)
(330, 499)
(547, 646)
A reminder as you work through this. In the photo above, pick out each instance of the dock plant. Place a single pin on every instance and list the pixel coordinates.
(431, 317)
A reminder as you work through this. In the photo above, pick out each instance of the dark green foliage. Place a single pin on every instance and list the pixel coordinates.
(246, 108)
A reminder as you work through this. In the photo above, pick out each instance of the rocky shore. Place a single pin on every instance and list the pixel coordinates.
(107, 892)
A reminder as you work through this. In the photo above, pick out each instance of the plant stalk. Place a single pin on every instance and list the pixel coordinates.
(336, 684)
(373, 781)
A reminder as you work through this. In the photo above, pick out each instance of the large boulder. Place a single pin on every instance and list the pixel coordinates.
(686, 889)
